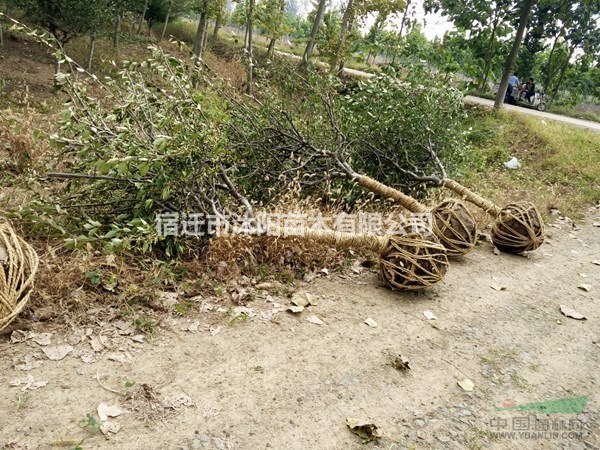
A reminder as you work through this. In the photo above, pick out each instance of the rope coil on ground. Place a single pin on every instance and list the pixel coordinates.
(18, 266)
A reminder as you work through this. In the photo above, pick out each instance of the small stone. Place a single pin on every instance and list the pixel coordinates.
(419, 423)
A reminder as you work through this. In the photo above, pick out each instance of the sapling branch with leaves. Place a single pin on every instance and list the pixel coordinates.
(298, 149)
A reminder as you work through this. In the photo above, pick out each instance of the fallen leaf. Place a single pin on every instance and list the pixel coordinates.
(42, 339)
(367, 431)
(295, 309)
(110, 427)
(87, 357)
(18, 336)
(429, 315)
(370, 322)
(57, 353)
(585, 287)
(27, 362)
(400, 363)
(315, 320)
(176, 401)
(304, 299)
(117, 357)
(105, 411)
(498, 287)
(28, 383)
(97, 344)
(191, 327)
(570, 312)
(466, 384)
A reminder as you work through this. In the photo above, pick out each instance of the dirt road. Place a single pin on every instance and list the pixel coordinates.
(259, 377)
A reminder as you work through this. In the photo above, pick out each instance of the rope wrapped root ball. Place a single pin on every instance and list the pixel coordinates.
(518, 228)
(413, 262)
(409, 261)
(18, 266)
(453, 224)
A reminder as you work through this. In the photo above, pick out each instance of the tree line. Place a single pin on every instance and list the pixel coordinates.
(560, 38)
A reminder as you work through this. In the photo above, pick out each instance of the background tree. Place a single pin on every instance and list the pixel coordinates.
(512, 57)
(271, 20)
(314, 31)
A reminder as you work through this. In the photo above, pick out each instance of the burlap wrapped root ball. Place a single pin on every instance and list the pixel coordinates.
(518, 228)
(455, 227)
(413, 261)
(18, 266)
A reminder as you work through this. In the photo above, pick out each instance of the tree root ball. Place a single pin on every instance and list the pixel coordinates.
(413, 261)
(518, 228)
(18, 265)
(455, 227)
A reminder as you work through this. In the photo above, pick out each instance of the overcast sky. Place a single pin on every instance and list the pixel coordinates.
(434, 24)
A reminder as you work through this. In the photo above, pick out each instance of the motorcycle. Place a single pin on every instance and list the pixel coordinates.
(516, 97)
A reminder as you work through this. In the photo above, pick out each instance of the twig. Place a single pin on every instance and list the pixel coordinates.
(91, 177)
(106, 387)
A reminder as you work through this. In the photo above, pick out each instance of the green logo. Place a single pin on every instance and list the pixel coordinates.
(570, 405)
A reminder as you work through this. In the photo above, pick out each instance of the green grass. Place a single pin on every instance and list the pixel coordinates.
(570, 112)
(560, 167)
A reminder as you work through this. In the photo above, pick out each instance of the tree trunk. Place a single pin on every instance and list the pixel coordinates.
(164, 30)
(205, 32)
(313, 33)
(57, 83)
(197, 49)
(402, 24)
(563, 70)
(91, 51)
(271, 48)
(345, 26)
(489, 54)
(510, 61)
(117, 35)
(249, 48)
(218, 20)
(139, 30)
(549, 71)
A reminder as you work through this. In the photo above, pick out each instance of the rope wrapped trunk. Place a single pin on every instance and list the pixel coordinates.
(518, 227)
(452, 223)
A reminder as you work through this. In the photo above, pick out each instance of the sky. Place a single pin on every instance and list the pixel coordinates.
(433, 24)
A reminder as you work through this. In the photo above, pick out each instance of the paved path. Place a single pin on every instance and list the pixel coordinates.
(533, 112)
(595, 126)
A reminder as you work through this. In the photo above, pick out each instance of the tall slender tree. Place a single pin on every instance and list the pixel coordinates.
(512, 57)
(310, 46)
